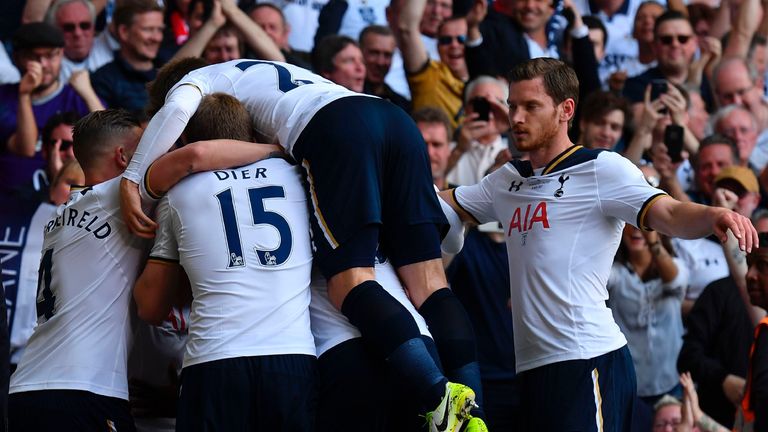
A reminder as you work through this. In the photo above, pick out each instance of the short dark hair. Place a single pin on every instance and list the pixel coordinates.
(166, 78)
(326, 50)
(601, 103)
(560, 81)
(60, 118)
(126, 10)
(219, 116)
(718, 139)
(96, 134)
(430, 115)
(669, 15)
(258, 6)
(375, 29)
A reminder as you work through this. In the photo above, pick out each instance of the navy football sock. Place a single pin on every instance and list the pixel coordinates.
(455, 339)
(391, 332)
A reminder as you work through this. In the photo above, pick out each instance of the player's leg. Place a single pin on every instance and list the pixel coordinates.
(67, 411)
(285, 394)
(387, 328)
(342, 150)
(216, 395)
(587, 395)
(350, 377)
(413, 227)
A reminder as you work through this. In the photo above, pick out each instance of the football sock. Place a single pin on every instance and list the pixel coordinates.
(452, 331)
(391, 332)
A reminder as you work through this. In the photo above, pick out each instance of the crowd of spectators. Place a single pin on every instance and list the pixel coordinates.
(679, 89)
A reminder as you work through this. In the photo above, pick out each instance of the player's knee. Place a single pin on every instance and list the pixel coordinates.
(342, 283)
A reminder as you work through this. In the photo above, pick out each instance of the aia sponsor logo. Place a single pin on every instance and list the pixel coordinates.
(525, 218)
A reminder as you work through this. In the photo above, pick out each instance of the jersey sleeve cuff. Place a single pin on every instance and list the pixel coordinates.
(162, 260)
(644, 211)
(146, 189)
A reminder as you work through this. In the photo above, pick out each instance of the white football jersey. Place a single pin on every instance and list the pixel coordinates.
(563, 225)
(280, 97)
(330, 327)
(242, 236)
(87, 270)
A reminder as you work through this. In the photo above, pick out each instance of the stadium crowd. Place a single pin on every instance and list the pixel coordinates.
(667, 100)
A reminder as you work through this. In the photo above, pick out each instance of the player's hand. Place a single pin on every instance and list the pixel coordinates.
(740, 226)
(724, 198)
(32, 78)
(130, 206)
(733, 387)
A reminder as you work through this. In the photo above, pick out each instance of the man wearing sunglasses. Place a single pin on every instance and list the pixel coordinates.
(75, 19)
(433, 83)
(674, 44)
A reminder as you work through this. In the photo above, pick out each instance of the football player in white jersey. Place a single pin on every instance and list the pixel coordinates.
(354, 148)
(72, 375)
(563, 213)
(242, 238)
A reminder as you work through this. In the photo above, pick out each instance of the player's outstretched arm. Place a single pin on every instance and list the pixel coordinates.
(172, 167)
(161, 133)
(690, 220)
(155, 290)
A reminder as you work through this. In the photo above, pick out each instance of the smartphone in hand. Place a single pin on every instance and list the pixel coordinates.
(673, 139)
(482, 107)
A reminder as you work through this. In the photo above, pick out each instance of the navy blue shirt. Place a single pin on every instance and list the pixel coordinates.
(119, 85)
(479, 276)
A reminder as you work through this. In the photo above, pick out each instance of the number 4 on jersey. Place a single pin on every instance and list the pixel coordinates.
(45, 298)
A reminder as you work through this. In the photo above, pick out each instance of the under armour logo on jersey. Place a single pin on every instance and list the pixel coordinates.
(559, 192)
(515, 185)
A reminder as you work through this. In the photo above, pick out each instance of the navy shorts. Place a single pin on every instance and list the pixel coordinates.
(262, 393)
(371, 394)
(367, 165)
(67, 410)
(580, 395)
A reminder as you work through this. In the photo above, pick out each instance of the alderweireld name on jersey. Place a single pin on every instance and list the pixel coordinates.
(85, 220)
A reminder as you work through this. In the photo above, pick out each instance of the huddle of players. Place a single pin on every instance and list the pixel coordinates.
(242, 238)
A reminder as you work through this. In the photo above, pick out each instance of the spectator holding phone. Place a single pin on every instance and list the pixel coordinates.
(664, 105)
(479, 141)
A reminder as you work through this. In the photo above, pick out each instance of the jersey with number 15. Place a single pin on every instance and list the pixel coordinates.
(89, 264)
(242, 236)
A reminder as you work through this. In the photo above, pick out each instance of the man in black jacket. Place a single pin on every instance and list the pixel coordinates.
(716, 349)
